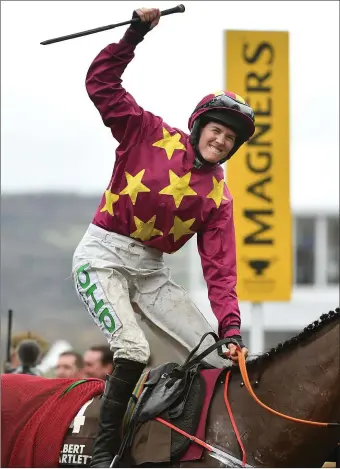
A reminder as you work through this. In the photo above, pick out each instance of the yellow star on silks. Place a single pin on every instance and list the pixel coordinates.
(178, 187)
(110, 199)
(147, 230)
(217, 193)
(170, 143)
(134, 185)
(181, 228)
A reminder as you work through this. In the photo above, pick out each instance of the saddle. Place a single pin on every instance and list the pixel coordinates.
(174, 392)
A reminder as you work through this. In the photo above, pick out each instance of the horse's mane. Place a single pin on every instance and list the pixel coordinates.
(302, 336)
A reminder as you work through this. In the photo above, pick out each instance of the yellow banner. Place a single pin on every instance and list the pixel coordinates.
(258, 174)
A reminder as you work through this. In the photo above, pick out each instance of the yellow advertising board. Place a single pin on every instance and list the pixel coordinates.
(257, 68)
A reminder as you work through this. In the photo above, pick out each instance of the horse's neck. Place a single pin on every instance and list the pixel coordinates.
(298, 378)
(302, 382)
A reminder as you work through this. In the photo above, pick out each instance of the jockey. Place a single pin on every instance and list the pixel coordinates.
(165, 187)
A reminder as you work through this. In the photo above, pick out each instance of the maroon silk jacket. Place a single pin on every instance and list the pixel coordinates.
(155, 195)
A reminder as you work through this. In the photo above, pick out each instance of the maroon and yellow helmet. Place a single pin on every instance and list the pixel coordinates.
(228, 109)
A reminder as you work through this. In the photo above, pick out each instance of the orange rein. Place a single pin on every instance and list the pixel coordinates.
(245, 377)
(244, 374)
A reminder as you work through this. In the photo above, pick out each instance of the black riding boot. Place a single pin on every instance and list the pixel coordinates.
(118, 389)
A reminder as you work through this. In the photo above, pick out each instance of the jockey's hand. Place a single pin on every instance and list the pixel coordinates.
(149, 18)
(233, 349)
(233, 352)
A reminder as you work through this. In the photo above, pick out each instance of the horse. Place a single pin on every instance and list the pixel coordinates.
(298, 379)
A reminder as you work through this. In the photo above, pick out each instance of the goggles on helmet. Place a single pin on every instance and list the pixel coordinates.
(225, 101)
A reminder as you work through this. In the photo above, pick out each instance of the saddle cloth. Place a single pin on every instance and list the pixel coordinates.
(156, 443)
(36, 413)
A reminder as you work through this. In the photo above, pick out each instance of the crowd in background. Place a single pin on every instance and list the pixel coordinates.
(95, 362)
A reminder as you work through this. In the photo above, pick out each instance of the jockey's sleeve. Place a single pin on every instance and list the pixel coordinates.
(119, 111)
(217, 249)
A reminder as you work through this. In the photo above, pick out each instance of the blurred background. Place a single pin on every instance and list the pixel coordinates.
(57, 156)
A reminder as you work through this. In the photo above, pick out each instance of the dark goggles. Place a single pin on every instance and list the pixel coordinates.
(229, 103)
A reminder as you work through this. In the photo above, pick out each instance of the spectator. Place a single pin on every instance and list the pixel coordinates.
(70, 365)
(98, 362)
(29, 353)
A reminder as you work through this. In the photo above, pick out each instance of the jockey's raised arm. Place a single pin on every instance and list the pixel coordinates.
(166, 186)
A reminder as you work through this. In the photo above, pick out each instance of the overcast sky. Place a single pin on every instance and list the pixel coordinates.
(53, 137)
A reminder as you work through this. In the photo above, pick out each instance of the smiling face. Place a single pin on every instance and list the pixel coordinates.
(216, 142)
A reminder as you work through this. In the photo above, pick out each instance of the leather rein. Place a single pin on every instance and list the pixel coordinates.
(245, 377)
(179, 372)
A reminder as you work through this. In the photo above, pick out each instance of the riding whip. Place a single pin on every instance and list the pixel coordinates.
(170, 11)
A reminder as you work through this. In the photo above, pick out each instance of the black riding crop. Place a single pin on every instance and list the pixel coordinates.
(178, 9)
